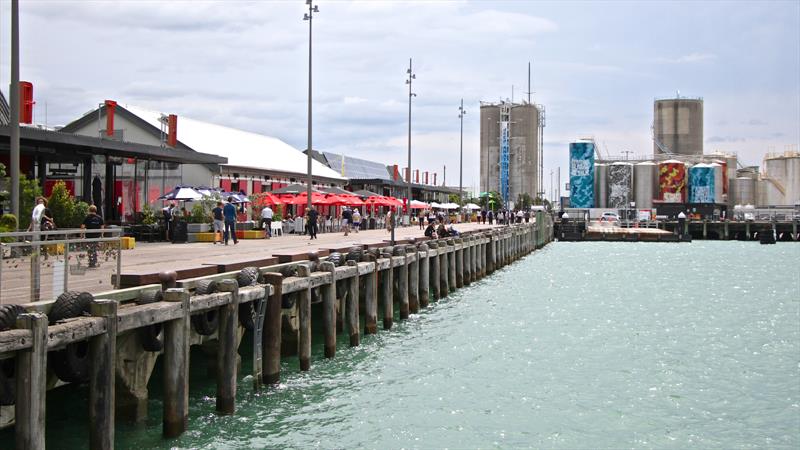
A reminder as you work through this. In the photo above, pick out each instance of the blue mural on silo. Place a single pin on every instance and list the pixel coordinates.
(581, 174)
(701, 184)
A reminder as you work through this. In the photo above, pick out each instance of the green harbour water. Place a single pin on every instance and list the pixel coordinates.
(580, 345)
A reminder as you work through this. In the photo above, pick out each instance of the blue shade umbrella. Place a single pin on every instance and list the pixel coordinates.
(237, 197)
(182, 193)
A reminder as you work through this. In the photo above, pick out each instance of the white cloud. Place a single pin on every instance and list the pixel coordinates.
(686, 59)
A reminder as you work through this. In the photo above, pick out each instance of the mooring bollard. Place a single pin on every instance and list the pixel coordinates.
(227, 337)
(272, 327)
(413, 278)
(176, 367)
(102, 353)
(424, 276)
(31, 372)
(328, 292)
(352, 307)
(371, 300)
(387, 294)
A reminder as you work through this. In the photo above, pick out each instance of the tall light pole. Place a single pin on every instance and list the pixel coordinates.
(411, 77)
(14, 107)
(461, 113)
(309, 16)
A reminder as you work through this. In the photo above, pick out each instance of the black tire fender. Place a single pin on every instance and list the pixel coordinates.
(71, 364)
(8, 316)
(151, 336)
(68, 305)
(8, 381)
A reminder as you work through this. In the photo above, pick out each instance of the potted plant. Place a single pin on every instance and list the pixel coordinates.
(199, 219)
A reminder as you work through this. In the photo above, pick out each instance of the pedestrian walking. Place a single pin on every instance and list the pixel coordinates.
(483, 216)
(218, 222)
(266, 221)
(36, 214)
(169, 212)
(527, 215)
(490, 216)
(356, 220)
(229, 214)
(347, 217)
(92, 221)
(311, 219)
(421, 218)
(390, 221)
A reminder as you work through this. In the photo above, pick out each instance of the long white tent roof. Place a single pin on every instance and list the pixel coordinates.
(242, 148)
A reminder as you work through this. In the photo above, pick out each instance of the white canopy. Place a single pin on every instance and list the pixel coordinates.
(471, 206)
(449, 206)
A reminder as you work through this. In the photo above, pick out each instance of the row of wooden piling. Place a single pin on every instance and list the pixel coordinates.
(410, 276)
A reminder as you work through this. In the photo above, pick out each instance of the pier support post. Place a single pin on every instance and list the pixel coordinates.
(227, 336)
(328, 292)
(444, 271)
(176, 367)
(459, 263)
(402, 284)
(424, 276)
(451, 265)
(467, 258)
(747, 231)
(795, 237)
(272, 329)
(435, 267)
(489, 258)
(351, 308)
(304, 317)
(102, 353)
(705, 229)
(371, 301)
(387, 294)
(413, 279)
(725, 234)
(31, 372)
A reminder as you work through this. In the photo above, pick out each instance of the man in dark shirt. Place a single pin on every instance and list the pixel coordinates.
(93, 221)
(219, 222)
(347, 217)
(311, 218)
(229, 213)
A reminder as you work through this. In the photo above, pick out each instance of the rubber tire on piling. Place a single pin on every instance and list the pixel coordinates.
(71, 364)
(151, 336)
(68, 305)
(8, 316)
(355, 254)
(247, 277)
(335, 258)
(247, 314)
(8, 381)
(206, 322)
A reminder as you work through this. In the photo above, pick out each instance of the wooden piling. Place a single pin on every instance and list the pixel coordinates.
(424, 276)
(467, 261)
(444, 270)
(413, 279)
(176, 367)
(387, 294)
(489, 257)
(31, 372)
(102, 353)
(353, 327)
(435, 266)
(459, 253)
(371, 301)
(272, 329)
(227, 337)
(451, 265)
(304, 315)
(328, 292)
(401, 296)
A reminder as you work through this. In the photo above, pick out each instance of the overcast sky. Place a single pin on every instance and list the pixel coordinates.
(597, 66)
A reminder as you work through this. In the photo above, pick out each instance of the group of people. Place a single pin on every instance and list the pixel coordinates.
(42, 220)
(505, 217)
(436, 228)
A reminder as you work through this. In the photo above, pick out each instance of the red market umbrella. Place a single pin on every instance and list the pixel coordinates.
(302, 199)
(351, 200)
(267, 199)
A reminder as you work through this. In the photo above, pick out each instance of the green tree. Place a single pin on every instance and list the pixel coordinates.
(524, 201)
(65, 210)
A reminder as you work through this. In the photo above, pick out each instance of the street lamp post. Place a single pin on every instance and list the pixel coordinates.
(411, 77)
(309, 16)
(461, 113)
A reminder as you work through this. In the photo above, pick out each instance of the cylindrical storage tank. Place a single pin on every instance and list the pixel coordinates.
(749, 172)
(678, 126)
(581, 174)
(701, 184)
(744, 191)
(600, 185)
(620, 184)
(785, 170)
(762, 193)
(672, 181)
(643, 175)
(719, 177)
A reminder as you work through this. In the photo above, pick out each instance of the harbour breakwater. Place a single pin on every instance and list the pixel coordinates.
(127, 330)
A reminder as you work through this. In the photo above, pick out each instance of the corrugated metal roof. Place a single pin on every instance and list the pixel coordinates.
(5, 111)
(242, 148)
(355, 168)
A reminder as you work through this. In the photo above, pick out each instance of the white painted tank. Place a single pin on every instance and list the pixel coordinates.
(785, 170)
(644, 175)
(744, 191)
(718, 182)
(600, 185)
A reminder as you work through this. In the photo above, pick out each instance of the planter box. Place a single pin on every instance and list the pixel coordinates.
(199, 227)
(250, 234)
(201, 237)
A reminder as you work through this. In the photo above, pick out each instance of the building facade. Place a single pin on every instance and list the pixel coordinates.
(511, 149)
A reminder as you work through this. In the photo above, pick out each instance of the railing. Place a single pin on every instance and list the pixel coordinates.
(37, 265)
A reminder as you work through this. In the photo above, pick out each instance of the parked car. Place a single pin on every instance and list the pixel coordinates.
(609, 217)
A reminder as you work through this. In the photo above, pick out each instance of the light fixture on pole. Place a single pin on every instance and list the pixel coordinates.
(309, 16)
(461, 113)
(411, 77)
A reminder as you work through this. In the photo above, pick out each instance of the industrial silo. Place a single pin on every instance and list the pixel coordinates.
(581, 174)
(644, 175)
(783, 172)
(672, 181)
(600, 185)
(744, 191)
(718, 181)
(620, 184)
(701, 184)
(678, 126)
